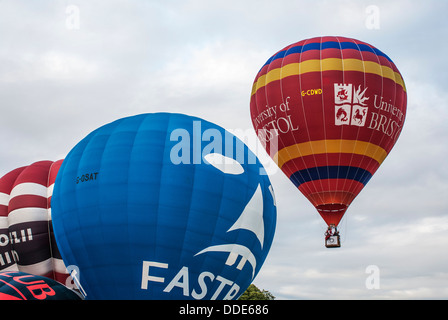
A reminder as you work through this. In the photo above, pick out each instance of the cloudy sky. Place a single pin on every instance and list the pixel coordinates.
(68, 67)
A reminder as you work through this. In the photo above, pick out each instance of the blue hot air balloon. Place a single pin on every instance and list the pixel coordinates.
(163, 206)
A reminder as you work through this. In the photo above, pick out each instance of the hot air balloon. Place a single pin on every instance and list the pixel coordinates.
(26, 240)
(163, 206)
(328, 111)
(15, 285)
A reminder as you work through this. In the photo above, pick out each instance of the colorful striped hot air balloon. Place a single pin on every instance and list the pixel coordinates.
(329, 110)
(27, 242)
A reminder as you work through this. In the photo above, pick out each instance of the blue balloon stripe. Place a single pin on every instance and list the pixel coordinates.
(330, 172)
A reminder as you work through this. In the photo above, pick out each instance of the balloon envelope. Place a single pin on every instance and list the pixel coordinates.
(163, 206)
(26, 237)
(329, 110)
(15, 285)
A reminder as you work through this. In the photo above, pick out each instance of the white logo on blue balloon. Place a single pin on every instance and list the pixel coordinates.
(251, 218)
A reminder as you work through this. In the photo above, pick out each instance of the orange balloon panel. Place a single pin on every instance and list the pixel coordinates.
(329, 110)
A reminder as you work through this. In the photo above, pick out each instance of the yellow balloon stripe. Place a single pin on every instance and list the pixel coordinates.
(330, 146)
(329, 64)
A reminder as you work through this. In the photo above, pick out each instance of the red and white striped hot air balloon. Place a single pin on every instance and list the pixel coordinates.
(27, 243)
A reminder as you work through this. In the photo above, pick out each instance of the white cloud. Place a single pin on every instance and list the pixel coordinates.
(52, 66)
(60, 66)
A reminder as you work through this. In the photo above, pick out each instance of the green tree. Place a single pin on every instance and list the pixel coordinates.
(253, 293)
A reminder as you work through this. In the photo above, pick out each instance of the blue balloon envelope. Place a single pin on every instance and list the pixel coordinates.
(163, 206)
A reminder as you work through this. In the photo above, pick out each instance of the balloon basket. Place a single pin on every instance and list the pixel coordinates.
(333, 241)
